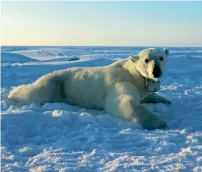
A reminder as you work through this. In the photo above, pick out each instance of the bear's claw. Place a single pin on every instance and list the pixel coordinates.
(163, 126)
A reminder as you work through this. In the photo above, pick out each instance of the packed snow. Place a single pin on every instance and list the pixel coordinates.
(62, 137)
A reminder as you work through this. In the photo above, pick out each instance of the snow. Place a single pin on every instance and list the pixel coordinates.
(61, 137)
(15, 58)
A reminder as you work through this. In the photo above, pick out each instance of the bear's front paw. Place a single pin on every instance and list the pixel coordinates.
(169, 102)
(158, 123)
(166, 101)
(155, 123)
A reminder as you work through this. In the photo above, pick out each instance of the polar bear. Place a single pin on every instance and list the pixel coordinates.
(119, 88)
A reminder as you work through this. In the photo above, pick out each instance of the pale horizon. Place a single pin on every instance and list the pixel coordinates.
(143, 24)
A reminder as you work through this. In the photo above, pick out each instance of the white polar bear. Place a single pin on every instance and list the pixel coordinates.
(119, 88)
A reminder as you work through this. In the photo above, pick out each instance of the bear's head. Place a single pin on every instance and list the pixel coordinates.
(151, 63)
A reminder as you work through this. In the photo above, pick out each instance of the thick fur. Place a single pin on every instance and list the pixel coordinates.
(118, 88)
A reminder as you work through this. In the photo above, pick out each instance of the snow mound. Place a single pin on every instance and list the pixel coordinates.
(47, 54)
(15, 58)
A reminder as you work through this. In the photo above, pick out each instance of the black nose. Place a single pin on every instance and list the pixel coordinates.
(156, 72)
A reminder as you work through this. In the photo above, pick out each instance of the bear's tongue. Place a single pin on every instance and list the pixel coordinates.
(151, 85)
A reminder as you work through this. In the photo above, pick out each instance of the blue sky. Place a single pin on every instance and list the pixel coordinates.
(102, 23)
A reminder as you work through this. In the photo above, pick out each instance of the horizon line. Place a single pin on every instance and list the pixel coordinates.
(99, 46)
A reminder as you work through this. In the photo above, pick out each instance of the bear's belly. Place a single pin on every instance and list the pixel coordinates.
(88, 92)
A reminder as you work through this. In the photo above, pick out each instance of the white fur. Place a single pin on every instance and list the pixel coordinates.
(117, 88)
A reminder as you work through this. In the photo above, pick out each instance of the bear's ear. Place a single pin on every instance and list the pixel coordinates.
(134, 58)
(166, 51)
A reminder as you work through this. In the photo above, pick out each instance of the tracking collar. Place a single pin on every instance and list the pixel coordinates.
(151, 85)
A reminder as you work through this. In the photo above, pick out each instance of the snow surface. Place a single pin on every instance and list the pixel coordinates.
(61, 137)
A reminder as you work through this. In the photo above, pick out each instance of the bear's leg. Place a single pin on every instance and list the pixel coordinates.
(122, 101)
(147, 119)
(46, 89)
(155, 98)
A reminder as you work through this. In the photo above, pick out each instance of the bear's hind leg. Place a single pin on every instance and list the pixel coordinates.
(46, 89)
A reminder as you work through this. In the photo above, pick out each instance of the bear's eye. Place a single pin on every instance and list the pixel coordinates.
(146, 60)
(161, 58)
